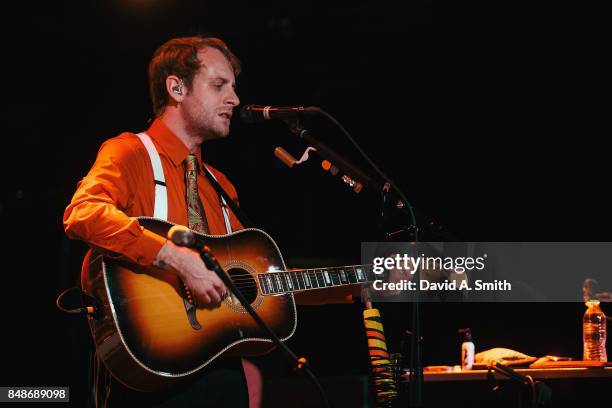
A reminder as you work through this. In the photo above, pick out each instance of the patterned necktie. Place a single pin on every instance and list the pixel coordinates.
(195, 213)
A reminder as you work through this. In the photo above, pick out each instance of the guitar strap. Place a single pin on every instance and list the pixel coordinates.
(224, 210)
(227, 201)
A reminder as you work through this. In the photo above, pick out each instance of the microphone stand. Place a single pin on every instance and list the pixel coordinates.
(416, 346)
(416, 362)
(416, 377)
(434, 228)
(300, 364)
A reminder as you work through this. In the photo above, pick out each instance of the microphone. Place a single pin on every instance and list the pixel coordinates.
(183, 236)
(260, 113)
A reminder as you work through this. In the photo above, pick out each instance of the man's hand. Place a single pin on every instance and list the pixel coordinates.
(206, 287)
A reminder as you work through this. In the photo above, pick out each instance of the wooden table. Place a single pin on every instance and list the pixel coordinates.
(576, 386)
(538, 374)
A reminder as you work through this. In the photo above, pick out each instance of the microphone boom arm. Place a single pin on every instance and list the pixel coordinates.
(327, 153)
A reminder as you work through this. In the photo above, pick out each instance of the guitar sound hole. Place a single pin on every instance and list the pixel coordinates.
(245, 283)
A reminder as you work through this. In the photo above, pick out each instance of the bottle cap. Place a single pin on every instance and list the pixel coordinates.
(467, 334)
(592, 302)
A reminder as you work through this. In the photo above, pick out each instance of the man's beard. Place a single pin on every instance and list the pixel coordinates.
(203, 125)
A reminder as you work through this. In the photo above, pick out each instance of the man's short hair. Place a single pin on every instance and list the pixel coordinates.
(179, 56)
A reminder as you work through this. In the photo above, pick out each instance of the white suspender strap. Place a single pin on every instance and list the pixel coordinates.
(224, 209)
(161, 194)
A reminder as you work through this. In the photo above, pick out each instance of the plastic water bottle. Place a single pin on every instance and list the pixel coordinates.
(594, 333)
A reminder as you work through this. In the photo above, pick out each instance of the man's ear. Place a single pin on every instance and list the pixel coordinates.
(175, 88)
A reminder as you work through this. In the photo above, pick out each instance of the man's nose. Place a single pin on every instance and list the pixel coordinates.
(233, 99)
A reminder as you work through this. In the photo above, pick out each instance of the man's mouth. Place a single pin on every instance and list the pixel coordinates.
(226, 115)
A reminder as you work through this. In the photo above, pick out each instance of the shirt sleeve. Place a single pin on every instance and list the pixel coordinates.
(97, 212)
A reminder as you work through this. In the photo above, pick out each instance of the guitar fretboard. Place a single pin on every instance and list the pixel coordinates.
(306, 279)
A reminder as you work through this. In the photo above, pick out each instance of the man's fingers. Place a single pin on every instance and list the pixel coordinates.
(217, 282)
(215, 296)
(204, 299)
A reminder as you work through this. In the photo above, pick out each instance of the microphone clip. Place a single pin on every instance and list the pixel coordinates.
(288, 159)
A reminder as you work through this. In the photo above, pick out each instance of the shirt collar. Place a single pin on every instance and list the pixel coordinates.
(171, 145)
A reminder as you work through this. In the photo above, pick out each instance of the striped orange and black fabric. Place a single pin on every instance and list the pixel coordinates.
(380, 364)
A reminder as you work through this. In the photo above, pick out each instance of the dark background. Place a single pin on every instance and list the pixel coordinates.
(492, 119)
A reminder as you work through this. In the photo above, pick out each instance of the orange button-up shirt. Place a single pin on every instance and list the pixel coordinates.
(120, 186)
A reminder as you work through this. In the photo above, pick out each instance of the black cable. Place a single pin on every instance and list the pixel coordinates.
(533, 391)
(520, 378)
(78, 310)
(90, 380)
(92, 375)
(94, 309)
(373, 165)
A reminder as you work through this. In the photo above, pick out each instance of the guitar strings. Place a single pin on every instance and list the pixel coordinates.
(250, 288)
(311, 277)
(248, 283)
(319, 284)
(297, 281)
(334, 279)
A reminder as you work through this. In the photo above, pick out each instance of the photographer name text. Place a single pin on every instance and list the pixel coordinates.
(479, 285)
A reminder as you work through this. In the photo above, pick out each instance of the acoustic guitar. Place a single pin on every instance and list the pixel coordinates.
(150, 335)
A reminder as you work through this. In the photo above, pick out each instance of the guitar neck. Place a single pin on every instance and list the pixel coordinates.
(308, 279)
